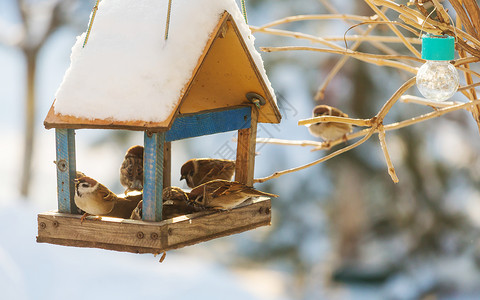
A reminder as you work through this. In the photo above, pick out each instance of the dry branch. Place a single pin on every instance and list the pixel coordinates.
(416, 21)
(383, 144)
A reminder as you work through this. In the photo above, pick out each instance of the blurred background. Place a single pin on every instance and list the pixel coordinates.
(340, 230)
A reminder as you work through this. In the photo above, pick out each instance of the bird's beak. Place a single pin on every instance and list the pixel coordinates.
(75, 180)
(182, 177)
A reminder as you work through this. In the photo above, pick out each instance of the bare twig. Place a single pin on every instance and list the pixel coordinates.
(371, 38)
(383, 144)
(393, 28)
(426, 102)
(371, 58)
(292, 19)
(288, 142)
(336, 153)
(375, 122)
(357, 122)
(441, 13)
(321, 89)
(405, 123)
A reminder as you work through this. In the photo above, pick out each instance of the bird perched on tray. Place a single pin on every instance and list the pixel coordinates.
(79, 174)
(175, 203)
(131, 171)
(96, 199)
(200, 170)
(329, 131)
(222, 194)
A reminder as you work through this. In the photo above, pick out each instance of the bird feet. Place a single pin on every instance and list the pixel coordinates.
(85, 215)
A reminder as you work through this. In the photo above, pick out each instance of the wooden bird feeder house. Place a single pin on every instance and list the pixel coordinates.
(226, 92)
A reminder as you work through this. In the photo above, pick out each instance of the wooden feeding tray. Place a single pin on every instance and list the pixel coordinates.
(151, 237)
(217, 98)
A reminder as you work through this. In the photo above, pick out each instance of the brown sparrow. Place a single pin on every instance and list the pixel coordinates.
(200, 170)
(96, 199)
(131, 172)
(175, 203)
(222, 194)
(79, 174)
(329, 131)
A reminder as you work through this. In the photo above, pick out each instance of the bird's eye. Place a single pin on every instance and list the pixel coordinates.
(84, 184)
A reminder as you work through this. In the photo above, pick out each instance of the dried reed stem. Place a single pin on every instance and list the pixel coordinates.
(405, 123)
(423, 25)
(375, 122)
(383, 144)
(319, 95)
(371, 38)
(288, 142)
(376, 59)
(332, 155)
(292, 19)
(322, 119)
(426, 102)
(441, 12)
(393, 28)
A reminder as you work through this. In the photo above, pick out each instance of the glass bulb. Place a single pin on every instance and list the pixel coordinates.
(437, 80)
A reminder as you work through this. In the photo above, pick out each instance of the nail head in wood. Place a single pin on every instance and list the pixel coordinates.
(256, 99)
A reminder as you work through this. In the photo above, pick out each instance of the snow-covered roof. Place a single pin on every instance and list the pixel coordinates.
(128, 72)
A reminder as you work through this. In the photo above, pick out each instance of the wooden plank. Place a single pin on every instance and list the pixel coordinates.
(151, 237)
(227, 73)
(167, 164)
(192, 125)
(65, 148)
(55, 120)
(153, 175)
(246, 143)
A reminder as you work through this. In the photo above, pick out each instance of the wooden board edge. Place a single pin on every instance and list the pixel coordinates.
(56, 120)
(144, 250)
(269, 96)
(98, 245)
(52, 215)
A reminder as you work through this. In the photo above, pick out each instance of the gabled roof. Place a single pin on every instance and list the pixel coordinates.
(224, 73)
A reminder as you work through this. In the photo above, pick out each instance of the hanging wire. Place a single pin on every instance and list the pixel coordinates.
(244, 10)
(168, 19)
(94, 12)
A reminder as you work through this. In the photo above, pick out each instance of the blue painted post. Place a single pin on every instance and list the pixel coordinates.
(65, 144)
(153, 176)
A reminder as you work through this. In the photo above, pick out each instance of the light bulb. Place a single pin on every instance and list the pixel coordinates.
(437, 79)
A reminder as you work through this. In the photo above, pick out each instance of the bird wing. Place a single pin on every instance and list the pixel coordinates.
(215, 169)
(106, 194)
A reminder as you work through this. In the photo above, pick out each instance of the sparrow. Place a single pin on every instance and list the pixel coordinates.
(329, 131)
(201, 170)
(175, 203)
(222, 194)
(131, 171)
(96, 199)
(79, 174)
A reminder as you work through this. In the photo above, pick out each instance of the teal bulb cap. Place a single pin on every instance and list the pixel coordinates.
(438, 47)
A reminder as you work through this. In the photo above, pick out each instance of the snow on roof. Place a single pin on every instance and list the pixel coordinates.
(127, 71)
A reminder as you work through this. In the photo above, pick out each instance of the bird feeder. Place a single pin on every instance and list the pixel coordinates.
(226, 92)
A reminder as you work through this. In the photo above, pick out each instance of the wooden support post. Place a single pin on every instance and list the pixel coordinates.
(65, 144)
(167, 165)
(153, 175)
(246, 143)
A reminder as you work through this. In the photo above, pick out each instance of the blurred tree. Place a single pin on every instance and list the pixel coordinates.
(36, 21)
